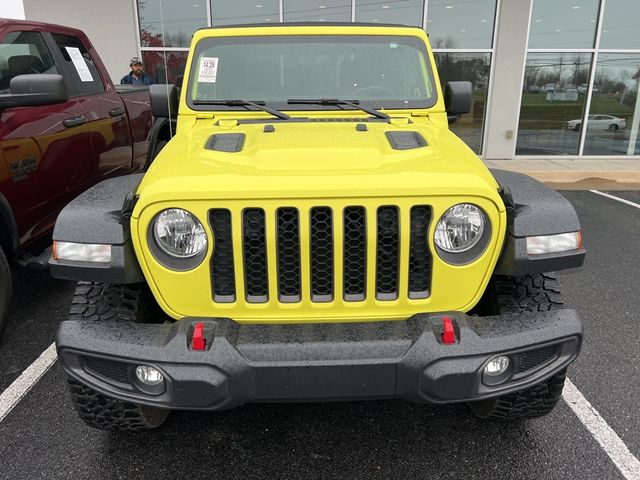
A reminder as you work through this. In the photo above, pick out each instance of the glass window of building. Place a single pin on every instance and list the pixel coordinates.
(472, 67)
(563, 24)
(621, 25)
(553, 99)
(178, 21)
(461, 23)
(614, 115)
(165, 67)
(317, 10)
(232, 12)
(404, 12)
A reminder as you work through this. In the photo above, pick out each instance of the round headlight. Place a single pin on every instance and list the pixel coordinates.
(460, 228)
(179, 234)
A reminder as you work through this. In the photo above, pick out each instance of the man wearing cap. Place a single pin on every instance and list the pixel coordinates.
(136, 76)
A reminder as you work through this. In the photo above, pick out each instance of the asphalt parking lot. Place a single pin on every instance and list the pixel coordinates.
(42, 437)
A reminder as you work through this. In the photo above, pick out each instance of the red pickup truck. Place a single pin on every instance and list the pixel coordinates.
(64, 127)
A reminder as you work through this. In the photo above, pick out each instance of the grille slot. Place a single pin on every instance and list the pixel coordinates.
(387, 253)
(321, 243)
(288, 249)
(116, 371)
(527, 360)
(254, 244)
(223, 277)
(419, 254)
(355, 254)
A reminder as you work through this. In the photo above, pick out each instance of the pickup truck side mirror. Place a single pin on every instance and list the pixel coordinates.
(457, 99)
(35, 89)
(164, 100)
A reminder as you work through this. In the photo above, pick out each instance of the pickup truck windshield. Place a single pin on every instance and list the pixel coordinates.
(378, 71)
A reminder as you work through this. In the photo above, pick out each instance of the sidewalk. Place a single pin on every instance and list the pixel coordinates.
(582, 174)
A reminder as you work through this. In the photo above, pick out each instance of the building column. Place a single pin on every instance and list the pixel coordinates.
(506, 91)
(13, 9)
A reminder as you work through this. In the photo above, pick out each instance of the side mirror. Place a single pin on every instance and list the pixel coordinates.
(457, 99)
(35, 89)
(164, 100)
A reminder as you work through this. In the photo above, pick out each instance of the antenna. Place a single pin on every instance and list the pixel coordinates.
(166, 69)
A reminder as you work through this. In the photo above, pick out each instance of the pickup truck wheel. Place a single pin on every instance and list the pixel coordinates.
(115, 303)
(5, 291)
(528, 293)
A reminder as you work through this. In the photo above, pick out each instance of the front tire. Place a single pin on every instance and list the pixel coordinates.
(6, 291)
(528, 293)
(115, 303)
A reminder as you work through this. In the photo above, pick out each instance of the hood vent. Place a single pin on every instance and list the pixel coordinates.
(405, 140)
(226, 142)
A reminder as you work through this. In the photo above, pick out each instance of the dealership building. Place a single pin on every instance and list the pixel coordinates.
(540, 69)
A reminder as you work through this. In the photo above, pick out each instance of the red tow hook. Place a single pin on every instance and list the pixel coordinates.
(448, 333)
(198, 341)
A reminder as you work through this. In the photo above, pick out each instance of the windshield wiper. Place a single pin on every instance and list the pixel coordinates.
(244, 103)
(337, 101)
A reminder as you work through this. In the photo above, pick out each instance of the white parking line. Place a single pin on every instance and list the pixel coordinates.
(25, 382)
(613, 197)
(609, 440)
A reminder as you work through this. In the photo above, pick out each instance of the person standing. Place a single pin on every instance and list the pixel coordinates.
(136, 76)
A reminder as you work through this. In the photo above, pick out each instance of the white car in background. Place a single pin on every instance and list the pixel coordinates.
(599, 122)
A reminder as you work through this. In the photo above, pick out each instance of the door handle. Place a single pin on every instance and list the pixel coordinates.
(74, 121)
(116, 112)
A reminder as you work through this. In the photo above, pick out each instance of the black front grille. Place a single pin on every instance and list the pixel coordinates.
(355, 254)
(321, 243)
(254, 243)
(110, 369)
(527, 360)
(288, 248)
(419, 254)
(370, 256)
(387, 253)
(223, 277)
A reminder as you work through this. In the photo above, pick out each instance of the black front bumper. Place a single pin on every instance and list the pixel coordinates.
(252, 363)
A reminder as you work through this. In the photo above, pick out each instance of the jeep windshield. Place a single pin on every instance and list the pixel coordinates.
(376, 71)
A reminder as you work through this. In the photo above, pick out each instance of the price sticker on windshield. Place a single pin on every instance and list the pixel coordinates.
(208, 70)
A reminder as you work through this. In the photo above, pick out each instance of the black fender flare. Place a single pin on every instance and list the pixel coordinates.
(533, 209)
(100, 216)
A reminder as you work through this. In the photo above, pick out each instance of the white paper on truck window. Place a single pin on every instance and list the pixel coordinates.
(80, 64)
(208, 70)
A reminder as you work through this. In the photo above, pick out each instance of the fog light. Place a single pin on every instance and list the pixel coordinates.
(497, 366)
(149, 375)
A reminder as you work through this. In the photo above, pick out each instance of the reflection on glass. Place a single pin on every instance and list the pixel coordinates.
(621, 25)
(461, 23)
(154, 65)
(553, 98)
(317, 10)
(563, 24)
(180, 21)
(475, 69)
(232, 12)
(404, 12)
(614, 116)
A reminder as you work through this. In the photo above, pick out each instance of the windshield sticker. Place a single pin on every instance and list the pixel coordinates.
(208, 70)
(80, 64)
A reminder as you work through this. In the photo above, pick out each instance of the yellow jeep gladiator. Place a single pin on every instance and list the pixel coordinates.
(313, 231)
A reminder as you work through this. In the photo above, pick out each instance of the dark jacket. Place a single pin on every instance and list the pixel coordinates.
(130, 79)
